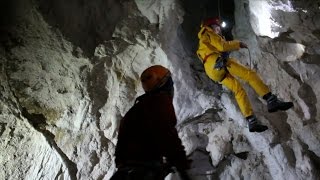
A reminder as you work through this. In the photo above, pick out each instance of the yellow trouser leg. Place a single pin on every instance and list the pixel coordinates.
(241, 96)
(238, 70)
(248, 75)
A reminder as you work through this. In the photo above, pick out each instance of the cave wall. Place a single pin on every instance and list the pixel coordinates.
(282, 37)
(70, 71)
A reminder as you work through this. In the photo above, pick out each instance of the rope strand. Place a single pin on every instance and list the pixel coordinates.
(219, 9)
(249, 58)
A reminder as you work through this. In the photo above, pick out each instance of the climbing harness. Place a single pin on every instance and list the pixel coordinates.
(221, 63)
(206, 57)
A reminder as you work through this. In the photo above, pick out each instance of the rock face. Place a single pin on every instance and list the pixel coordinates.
(70, 71)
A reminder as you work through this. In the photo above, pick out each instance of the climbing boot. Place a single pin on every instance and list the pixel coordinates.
(274, 104)
(254, 125)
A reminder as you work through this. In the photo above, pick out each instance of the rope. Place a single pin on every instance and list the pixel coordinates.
(277, 74)
(219, 9)
(249, 58)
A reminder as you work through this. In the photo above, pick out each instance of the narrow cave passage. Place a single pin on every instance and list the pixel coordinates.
(196, 11)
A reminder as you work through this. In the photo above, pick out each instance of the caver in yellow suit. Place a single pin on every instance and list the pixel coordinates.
(212, 48)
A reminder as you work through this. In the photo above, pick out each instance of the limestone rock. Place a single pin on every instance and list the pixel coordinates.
(69, 71)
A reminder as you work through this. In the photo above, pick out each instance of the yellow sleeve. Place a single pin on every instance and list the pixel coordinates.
(206, 40)
(218, 43)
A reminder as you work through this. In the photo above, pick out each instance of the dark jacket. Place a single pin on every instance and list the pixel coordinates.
(147, 133)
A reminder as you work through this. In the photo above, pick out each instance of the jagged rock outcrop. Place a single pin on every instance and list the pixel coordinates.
(70, 71)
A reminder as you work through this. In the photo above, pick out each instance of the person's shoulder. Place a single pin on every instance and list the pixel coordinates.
(155, 98)
(209, 32)
(202, 31)
(162, 96)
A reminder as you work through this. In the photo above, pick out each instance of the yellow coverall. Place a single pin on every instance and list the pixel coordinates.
(211, 46)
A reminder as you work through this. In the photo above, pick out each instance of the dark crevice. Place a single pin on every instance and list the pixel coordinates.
(58, 174)
(316, 33)
(201, 160)
(306, 93)
(38, 121)
(289, 153)
(221, 167)
(313, 157)
(311, 58)
(285, 37)
(93, 22)
(211, 115)
(11, 132)
(316, 161)
(97, 89)
(215, 172)
(2, 128)
(40, 168)
(279, 122)
(242, 155)
(291, 71)
(100, 177)
(104, 141)
(94, 160)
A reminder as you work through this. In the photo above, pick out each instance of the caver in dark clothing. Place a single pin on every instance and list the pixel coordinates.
(147, 133)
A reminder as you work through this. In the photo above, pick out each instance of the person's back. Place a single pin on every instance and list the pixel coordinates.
(141, 133)
(147, 132)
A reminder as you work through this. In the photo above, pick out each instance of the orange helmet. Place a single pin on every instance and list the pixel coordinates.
(154, 77)
(212, 21)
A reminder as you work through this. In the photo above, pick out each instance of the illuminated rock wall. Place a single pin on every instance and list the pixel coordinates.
(70, 71)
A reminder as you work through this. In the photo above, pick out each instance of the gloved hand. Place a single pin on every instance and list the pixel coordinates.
(243, 45)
